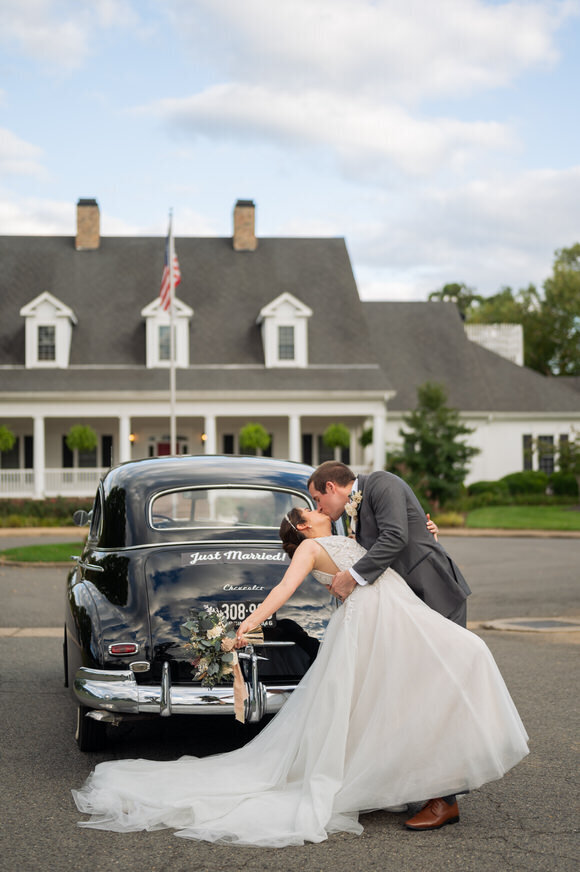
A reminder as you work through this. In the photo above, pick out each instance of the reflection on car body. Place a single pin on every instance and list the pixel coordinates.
(167, 535)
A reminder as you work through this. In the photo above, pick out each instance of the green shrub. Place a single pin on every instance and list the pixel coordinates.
(54, 512)
(336, 436)
(497, 488)
(529, 482)
(449, 519)
(7, 439)
(541, 500)
(254, 436)
(81, 437)
(564, 484)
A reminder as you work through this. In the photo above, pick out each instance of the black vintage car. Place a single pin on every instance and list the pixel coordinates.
(169, 534)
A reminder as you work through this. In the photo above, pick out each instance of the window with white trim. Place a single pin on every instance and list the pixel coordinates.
(284, 324)
(46, 348)
(546, 454)
(164, 342)
(48, 332)
(285, 342)
(158, 334)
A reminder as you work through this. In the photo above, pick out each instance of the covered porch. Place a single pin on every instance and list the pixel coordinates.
(40, 465)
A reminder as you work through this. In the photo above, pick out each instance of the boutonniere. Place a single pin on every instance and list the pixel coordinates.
(351, 507)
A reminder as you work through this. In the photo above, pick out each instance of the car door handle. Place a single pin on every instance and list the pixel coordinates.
(91, 566)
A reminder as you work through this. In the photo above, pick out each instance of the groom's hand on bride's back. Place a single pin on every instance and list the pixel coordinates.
(342, 585)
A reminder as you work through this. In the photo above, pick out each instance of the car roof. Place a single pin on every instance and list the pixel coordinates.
(128, 489)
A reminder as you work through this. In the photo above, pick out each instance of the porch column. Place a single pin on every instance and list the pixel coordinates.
(124, 441)
(210, 430)
(38, 458)
(354, 434)
(294, 444)
(379, 441)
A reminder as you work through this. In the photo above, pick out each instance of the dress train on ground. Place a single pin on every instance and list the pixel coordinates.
(400, 705)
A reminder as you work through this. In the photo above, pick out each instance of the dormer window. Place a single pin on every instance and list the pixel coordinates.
(158, 335)
(164, 336)
(46, 342)
(286, 342)
(49, 326)
(284, 324)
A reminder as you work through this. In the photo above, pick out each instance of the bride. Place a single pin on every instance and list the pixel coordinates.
(400, 704)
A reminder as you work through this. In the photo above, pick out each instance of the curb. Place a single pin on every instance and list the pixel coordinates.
(73, 532)
(82, 532)
(506, 533)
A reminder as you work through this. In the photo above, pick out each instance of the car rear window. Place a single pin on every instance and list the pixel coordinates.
(222, 507)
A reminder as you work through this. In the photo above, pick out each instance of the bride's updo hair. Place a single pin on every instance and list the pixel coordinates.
(289, 534)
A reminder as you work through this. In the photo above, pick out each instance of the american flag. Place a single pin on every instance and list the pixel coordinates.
(165, 291)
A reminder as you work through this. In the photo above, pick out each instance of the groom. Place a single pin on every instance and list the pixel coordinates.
(389, 522)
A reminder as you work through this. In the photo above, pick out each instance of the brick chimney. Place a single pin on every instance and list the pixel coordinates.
(244, 226)
(88, 226)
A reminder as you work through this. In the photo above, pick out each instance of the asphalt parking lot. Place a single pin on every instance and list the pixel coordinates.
(526, 821)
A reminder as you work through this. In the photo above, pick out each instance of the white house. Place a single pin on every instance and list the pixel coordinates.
(266, 330)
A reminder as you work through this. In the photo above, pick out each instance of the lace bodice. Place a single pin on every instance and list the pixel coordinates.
(342, 550)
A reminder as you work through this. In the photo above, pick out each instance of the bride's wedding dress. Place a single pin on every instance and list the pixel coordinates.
(401, 705)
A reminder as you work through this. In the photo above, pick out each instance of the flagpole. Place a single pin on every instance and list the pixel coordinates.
(172, 428)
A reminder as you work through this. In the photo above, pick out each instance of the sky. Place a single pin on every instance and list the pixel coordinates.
(438, 137)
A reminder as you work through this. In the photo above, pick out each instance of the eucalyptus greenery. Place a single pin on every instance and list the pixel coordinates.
(206, 631)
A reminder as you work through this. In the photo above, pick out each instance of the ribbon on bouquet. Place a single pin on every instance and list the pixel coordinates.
(254, 637)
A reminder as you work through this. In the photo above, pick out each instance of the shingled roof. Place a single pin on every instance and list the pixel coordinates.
(419, 342)
(108, 287)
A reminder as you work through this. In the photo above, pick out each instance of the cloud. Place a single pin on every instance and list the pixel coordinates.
(35, 217)
(360, 77)
(501, 230)
(362, 134)
(392, 49)
(18, 157)
(59, 34)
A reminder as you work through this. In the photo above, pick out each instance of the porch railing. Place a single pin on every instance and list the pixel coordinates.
(20, 483)
(16, 483)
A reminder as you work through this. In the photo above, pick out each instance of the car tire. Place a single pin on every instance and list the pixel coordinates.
(90, 735)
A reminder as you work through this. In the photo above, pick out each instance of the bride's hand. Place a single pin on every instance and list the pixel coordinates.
(244, 628)
(432, 527)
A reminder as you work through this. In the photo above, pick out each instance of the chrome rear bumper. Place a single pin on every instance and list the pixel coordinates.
(117, 691)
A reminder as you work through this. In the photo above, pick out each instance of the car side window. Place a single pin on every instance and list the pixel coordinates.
(96, 515)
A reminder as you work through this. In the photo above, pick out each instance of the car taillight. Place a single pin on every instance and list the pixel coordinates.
(123, 648)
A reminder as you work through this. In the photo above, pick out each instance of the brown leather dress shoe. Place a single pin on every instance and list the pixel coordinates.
(437, 813)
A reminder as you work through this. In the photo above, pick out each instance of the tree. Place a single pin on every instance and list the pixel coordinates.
(81, 437)
(433, 451)
(569, 456)
(561, 310)
(254, 437)
(458, 293)
(525, 308)
(336, 436)
(7, 439)
(551, 322)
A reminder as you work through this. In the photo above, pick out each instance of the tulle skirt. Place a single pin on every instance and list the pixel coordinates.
(401, 705)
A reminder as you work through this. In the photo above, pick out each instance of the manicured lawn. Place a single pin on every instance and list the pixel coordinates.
(525, 518)
(58, 552)
(492, 517)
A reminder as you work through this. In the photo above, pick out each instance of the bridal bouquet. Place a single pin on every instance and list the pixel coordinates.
(212, 642)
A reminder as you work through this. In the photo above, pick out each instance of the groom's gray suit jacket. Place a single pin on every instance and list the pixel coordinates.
(391, 526)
